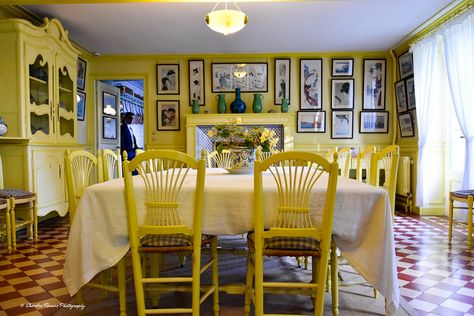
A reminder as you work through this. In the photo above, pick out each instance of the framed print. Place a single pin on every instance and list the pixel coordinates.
(249, 77)
(401, 96)
(81, 105)
(413, 119)
(342, 93)
(311, 122)
(374, 84)
(405, 64)
(343, 67)
(342, 124)
(167, 115)
(406, 125)
(167, 78)
(311, 72)
(109, 103)
(110, 127)
(374, 122)
(410, 83)
(282, 79)
(81, 74)
(196, 81)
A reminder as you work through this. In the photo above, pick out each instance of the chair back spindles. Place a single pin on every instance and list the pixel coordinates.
(111, 164)
(363, 163)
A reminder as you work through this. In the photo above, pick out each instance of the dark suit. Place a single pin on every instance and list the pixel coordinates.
(127, 140)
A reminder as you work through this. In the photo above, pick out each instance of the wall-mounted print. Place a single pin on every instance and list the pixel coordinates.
(249, 77)
(405, 64)
(311, 77)
(342, 92)
(167, 113)
(109, 103)
(311, 122)
(374, 84)
(81, 74)
(81, 105)
(411, 93)
(373, 122)
(406, 125)
(342, 124)
(343, 67)
(282, 79)
(196, 81)
(167, 78)
(401, 96)
(109, 130)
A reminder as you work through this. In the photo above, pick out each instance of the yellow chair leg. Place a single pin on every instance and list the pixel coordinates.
(122, 287)
(155, 264)
(9, 229)
(451, 211)
(35, 219)
(469, 221)
(13, 223)
(215, 276)
(334, 280)
(196, 284)
(248, 282)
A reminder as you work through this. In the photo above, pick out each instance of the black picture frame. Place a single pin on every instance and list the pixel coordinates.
(342, 124)
(164, 121)
(373, 122)
(282, 80)
(167, 79)
(81, 105)
(410, 86)
(373, 94)
(224, 80)
(342, 67)
(81, 74)
(342, 94)
(311, 78)
(197, 87)
(109, 127)
(401, 96)
(311, 122)
(405, 122)
(405, 64)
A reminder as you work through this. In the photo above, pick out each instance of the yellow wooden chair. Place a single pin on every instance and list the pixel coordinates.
(217, 159)
(160, 229)
(344, 159)
(5, 218)
(387, 160)
(111, 164)
(84, 169)
(23, 202)
(363, 163)
(292, 232)
(463, 196)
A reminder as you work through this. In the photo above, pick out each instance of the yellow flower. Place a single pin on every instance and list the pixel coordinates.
(210, 133)
(238, 120)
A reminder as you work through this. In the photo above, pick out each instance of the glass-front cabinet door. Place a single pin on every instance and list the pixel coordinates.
(66, 101)
(39, 98)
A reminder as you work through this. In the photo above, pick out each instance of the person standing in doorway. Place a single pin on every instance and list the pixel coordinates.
(128, 142)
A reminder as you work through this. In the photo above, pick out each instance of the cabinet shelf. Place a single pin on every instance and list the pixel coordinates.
(65, 90)
(38, 80)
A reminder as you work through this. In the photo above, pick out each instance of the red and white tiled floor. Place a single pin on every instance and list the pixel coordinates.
(436, 277)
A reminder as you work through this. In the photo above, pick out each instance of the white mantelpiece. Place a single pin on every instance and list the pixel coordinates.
(193, 121)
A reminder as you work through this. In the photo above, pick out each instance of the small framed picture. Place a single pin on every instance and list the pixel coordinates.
(343, 67)
(81, 74)
(249, 77)
(282, 79)
(410, 83)
(311, 72)
(311, 122)
(110, 127)
(342, 124)
(374, 122)
(342, 94)
(196, 81)
(374, 84)
(109, 103)
(167, 115)
(167, 78)
(406, 125)
(401, 96)
(81, 105)
(405, 64)
(413, 119)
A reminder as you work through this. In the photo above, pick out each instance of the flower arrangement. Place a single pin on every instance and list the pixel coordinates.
(232, 134)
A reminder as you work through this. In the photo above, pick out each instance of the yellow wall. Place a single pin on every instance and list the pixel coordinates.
(132, 67)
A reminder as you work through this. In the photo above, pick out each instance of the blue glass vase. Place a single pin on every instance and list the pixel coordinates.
(238, 106)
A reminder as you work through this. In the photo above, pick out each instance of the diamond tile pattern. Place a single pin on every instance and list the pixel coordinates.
(436, 277)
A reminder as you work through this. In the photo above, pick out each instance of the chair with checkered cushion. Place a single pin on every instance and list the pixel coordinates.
(159, 229)
(466, 197)
(22, 211)
(82, 170)
(301, 224)
(111, 164)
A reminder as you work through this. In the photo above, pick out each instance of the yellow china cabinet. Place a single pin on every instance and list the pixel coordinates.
(38, 67)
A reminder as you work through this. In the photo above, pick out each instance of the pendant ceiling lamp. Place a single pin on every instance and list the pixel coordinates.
(239, 71)
(226, 21)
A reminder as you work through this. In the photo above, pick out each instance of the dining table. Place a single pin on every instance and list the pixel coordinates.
(362, 225)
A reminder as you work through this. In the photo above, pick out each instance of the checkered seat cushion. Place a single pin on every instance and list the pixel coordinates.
(15, 193)
(173, 240)
(463, 193)
(287, 243)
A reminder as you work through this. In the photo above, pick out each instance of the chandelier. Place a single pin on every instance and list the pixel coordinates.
(226, 21)
(239, 71)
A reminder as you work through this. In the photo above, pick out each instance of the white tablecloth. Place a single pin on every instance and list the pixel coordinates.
(362, 227)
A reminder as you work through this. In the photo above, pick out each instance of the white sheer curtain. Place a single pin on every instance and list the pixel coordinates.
(425, 63)
(458, 42)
